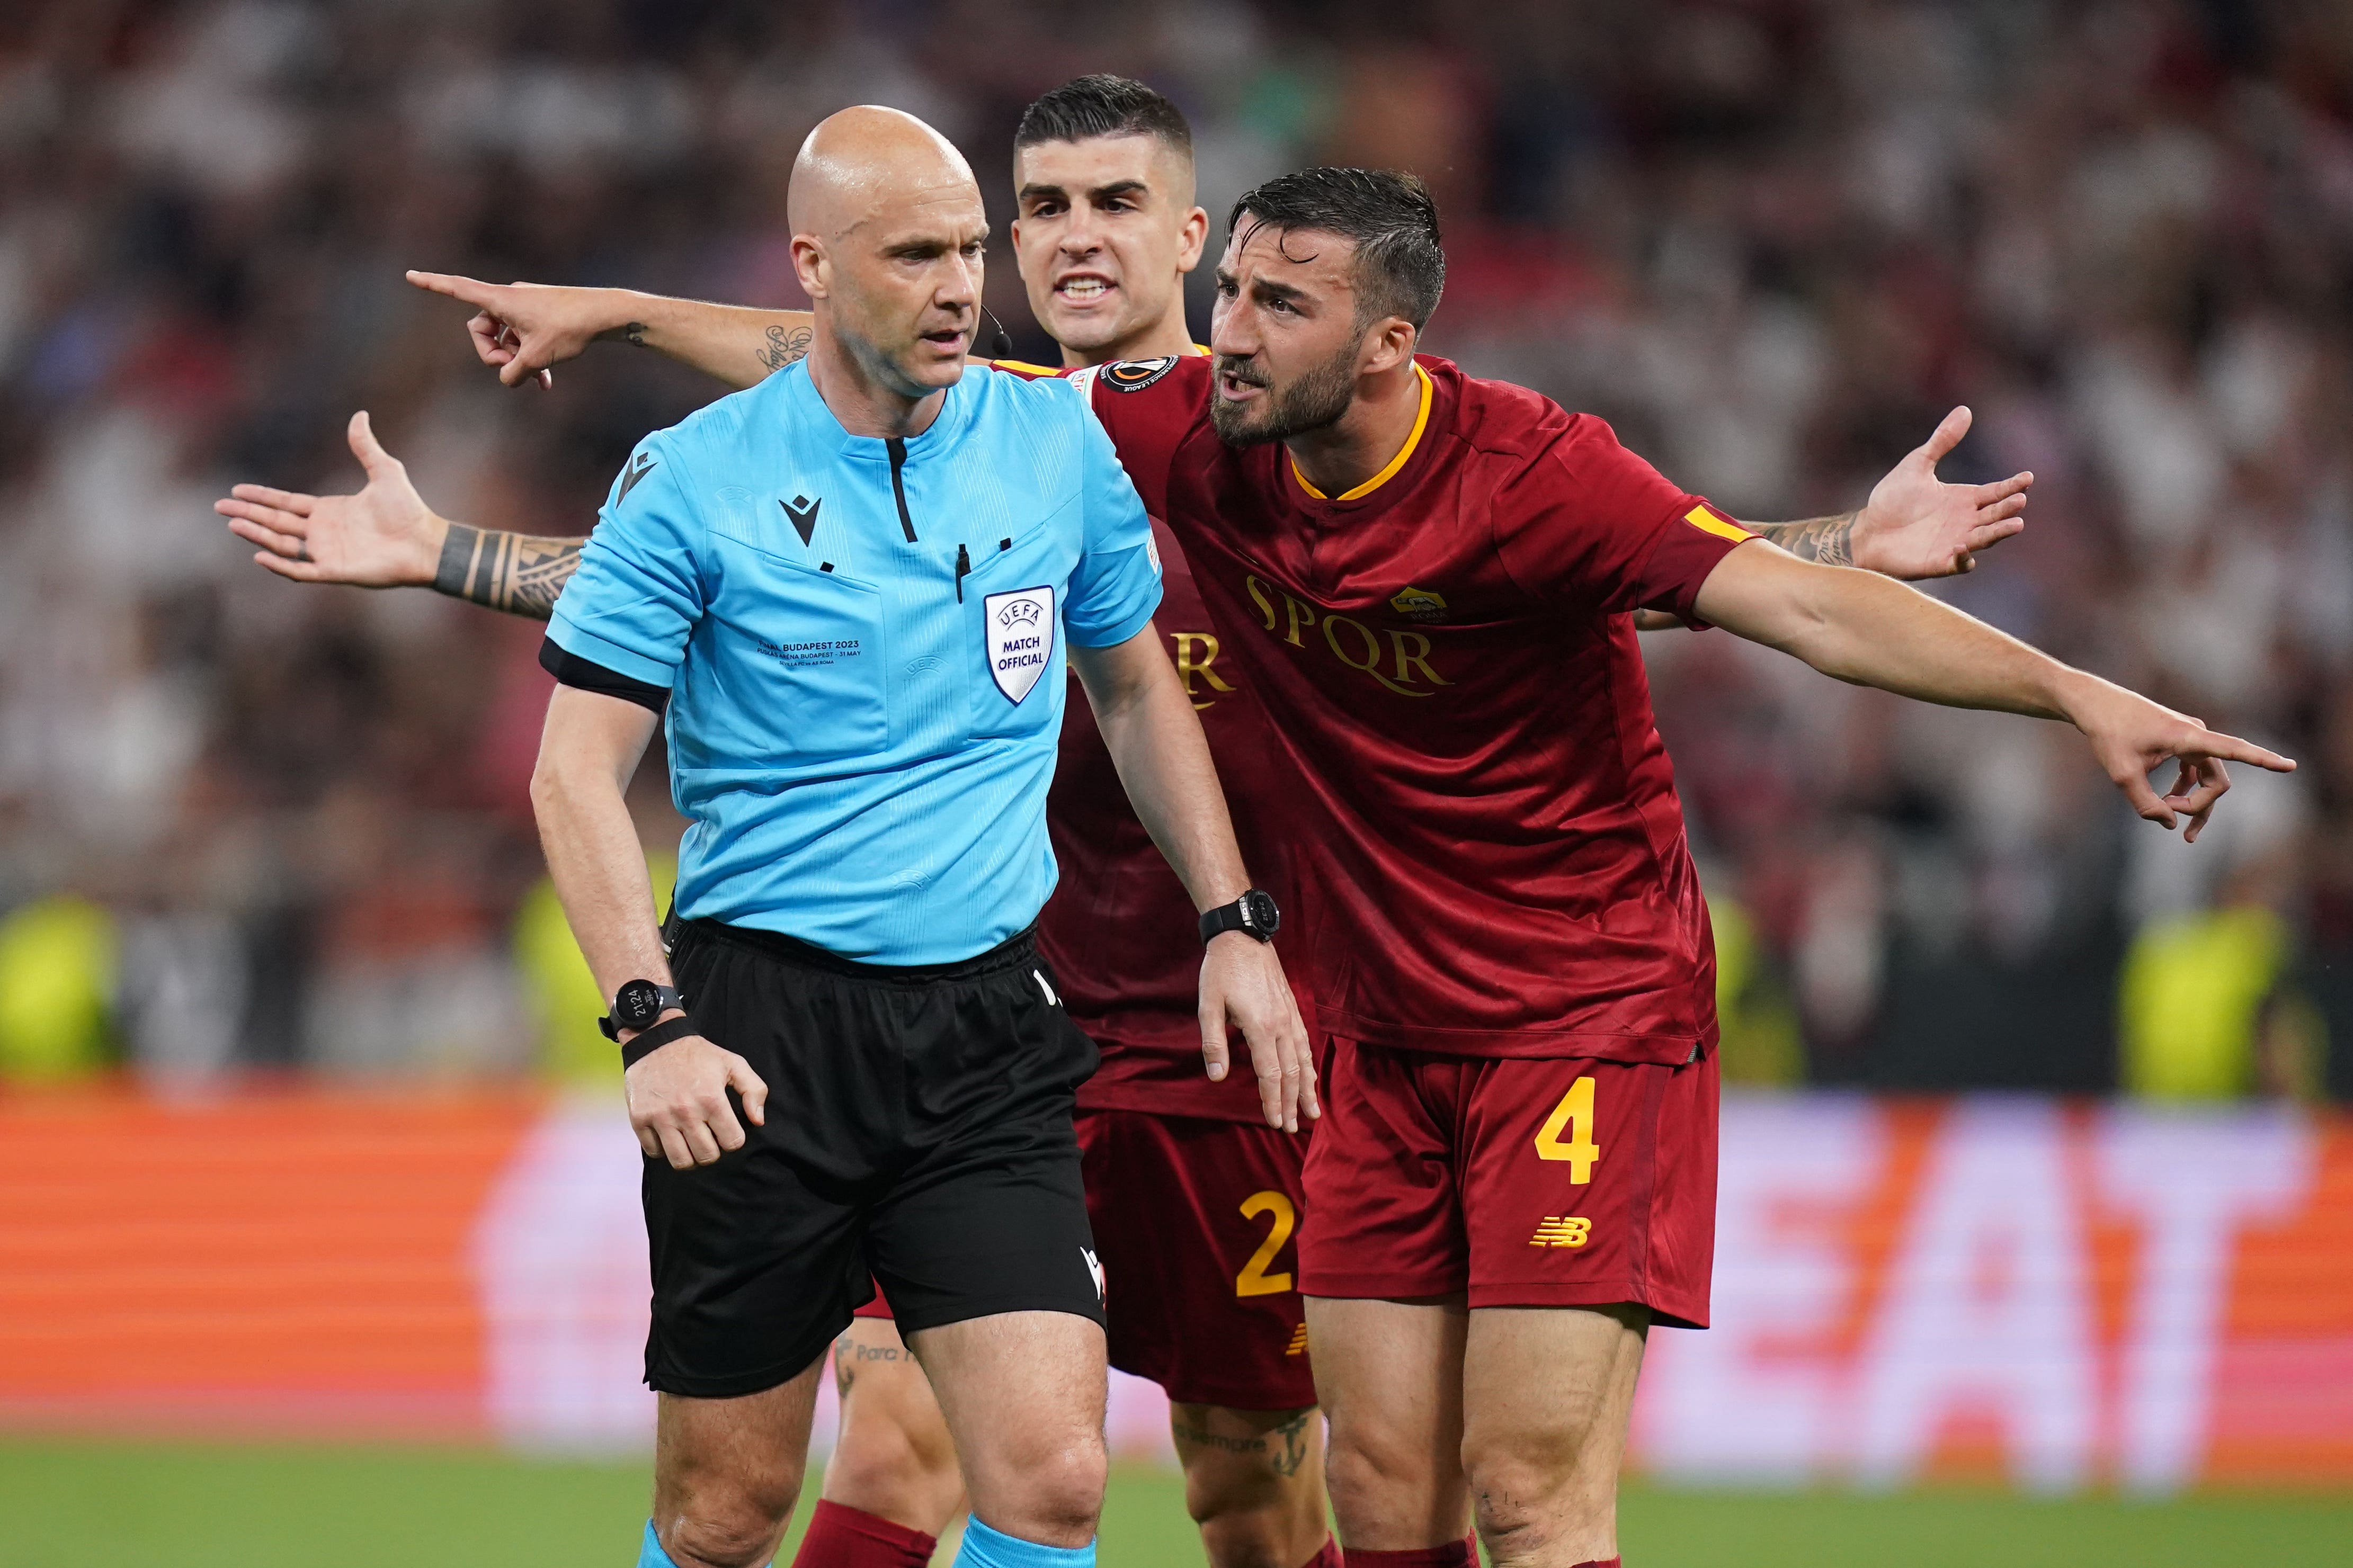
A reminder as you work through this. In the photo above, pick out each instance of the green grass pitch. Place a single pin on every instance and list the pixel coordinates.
(77, 1504)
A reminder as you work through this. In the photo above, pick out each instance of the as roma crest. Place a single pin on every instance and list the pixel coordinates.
(1020, 639)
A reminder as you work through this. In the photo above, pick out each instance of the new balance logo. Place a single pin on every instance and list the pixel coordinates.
(1563, 1230)
(1298, 1345)
(802, 511)
(639, 467)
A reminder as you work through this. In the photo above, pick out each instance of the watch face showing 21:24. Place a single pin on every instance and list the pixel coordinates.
(637, 1005)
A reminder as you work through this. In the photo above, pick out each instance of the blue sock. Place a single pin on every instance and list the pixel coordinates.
(986, 1548)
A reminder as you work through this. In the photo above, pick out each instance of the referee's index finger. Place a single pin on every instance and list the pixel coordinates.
(471, 291)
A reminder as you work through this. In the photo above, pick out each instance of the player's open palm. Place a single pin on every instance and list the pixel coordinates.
(678, 1101)
(2131, 736)
(384, 537)
(1916, 525)
(521, 329)
(1243, 988)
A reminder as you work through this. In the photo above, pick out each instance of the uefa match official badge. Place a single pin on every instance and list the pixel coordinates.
(1020, 639)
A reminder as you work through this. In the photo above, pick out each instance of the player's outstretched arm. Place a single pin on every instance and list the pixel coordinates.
(1915, 525)
(386, 536)
(1864, 628)
(523, 330)
(1155, 737)
(677, 1092)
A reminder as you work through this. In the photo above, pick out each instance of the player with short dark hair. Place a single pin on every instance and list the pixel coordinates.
(1101, 106)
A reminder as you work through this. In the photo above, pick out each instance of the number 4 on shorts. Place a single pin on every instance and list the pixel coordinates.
(1573, 1115)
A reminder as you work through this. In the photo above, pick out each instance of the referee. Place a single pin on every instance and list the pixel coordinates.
(853, 589)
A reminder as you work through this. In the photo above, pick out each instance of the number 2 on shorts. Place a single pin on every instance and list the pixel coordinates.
(1254, 1280)
(1574, 1114)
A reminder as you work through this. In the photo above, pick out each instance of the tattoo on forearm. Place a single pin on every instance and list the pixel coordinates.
(634, 334)
(1829, 540)
(520, 574)
(784, 345)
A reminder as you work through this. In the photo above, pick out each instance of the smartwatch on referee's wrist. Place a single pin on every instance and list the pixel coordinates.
(636, 1004)
(1253, 912)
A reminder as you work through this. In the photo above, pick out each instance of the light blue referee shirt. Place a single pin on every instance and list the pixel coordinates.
(863, 642)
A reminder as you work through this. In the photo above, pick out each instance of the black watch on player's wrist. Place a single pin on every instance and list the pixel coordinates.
(1253, 912)
(636, 1004)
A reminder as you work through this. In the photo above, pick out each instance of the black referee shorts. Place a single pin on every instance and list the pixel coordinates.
(919, 1133)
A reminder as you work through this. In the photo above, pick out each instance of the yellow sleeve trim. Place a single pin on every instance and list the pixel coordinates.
(1706, 521)
(1421, 420)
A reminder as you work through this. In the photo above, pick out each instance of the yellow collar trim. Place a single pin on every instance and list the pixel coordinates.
(1420, 419)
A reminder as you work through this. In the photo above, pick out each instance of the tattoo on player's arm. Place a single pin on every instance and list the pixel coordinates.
(784, 345)
(1828, 540)
(520, 574)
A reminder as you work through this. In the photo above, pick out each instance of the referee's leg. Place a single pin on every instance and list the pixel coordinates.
(727, 1473)
(1024, 1396)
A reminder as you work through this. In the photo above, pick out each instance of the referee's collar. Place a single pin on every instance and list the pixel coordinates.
(810, 411)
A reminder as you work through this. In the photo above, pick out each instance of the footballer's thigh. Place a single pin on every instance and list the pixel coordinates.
(1589, 1194)
(727, 1472)
(1024, 1396)
(1385, 1263)
(1547, 1392)
(1253, 1482)
(1390, 1376)
(893, 1458)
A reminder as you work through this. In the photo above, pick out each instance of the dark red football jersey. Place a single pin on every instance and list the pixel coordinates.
(1120, 930)
(1485, 818)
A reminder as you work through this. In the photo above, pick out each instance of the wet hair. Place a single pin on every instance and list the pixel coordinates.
(1103, 105)
(1389, 215)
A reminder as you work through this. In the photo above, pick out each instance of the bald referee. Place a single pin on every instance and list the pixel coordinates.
(853, 588)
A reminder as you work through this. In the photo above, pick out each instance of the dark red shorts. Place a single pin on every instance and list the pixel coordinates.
(1560, 1181)
(1195, 1220)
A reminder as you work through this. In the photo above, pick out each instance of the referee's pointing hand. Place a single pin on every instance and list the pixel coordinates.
(678, 1101)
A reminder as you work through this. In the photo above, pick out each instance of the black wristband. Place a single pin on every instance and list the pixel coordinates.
(645, 1042)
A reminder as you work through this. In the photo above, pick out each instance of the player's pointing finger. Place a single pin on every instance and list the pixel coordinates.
(2213, 744)
(471, 291)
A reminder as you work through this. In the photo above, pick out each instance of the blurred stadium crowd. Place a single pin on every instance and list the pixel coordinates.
(245, 824)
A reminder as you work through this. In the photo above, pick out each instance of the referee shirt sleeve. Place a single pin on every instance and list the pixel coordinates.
(1115, 586)
(639, 593)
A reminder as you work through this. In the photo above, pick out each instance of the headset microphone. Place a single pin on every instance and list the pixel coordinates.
(1000, 342)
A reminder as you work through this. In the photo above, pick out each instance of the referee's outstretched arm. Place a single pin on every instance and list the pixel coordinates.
(678, 1094)
(1155, 737)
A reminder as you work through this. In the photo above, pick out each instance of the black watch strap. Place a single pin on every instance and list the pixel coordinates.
(637, 1005)
(645, 1042)
(1253, 912)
